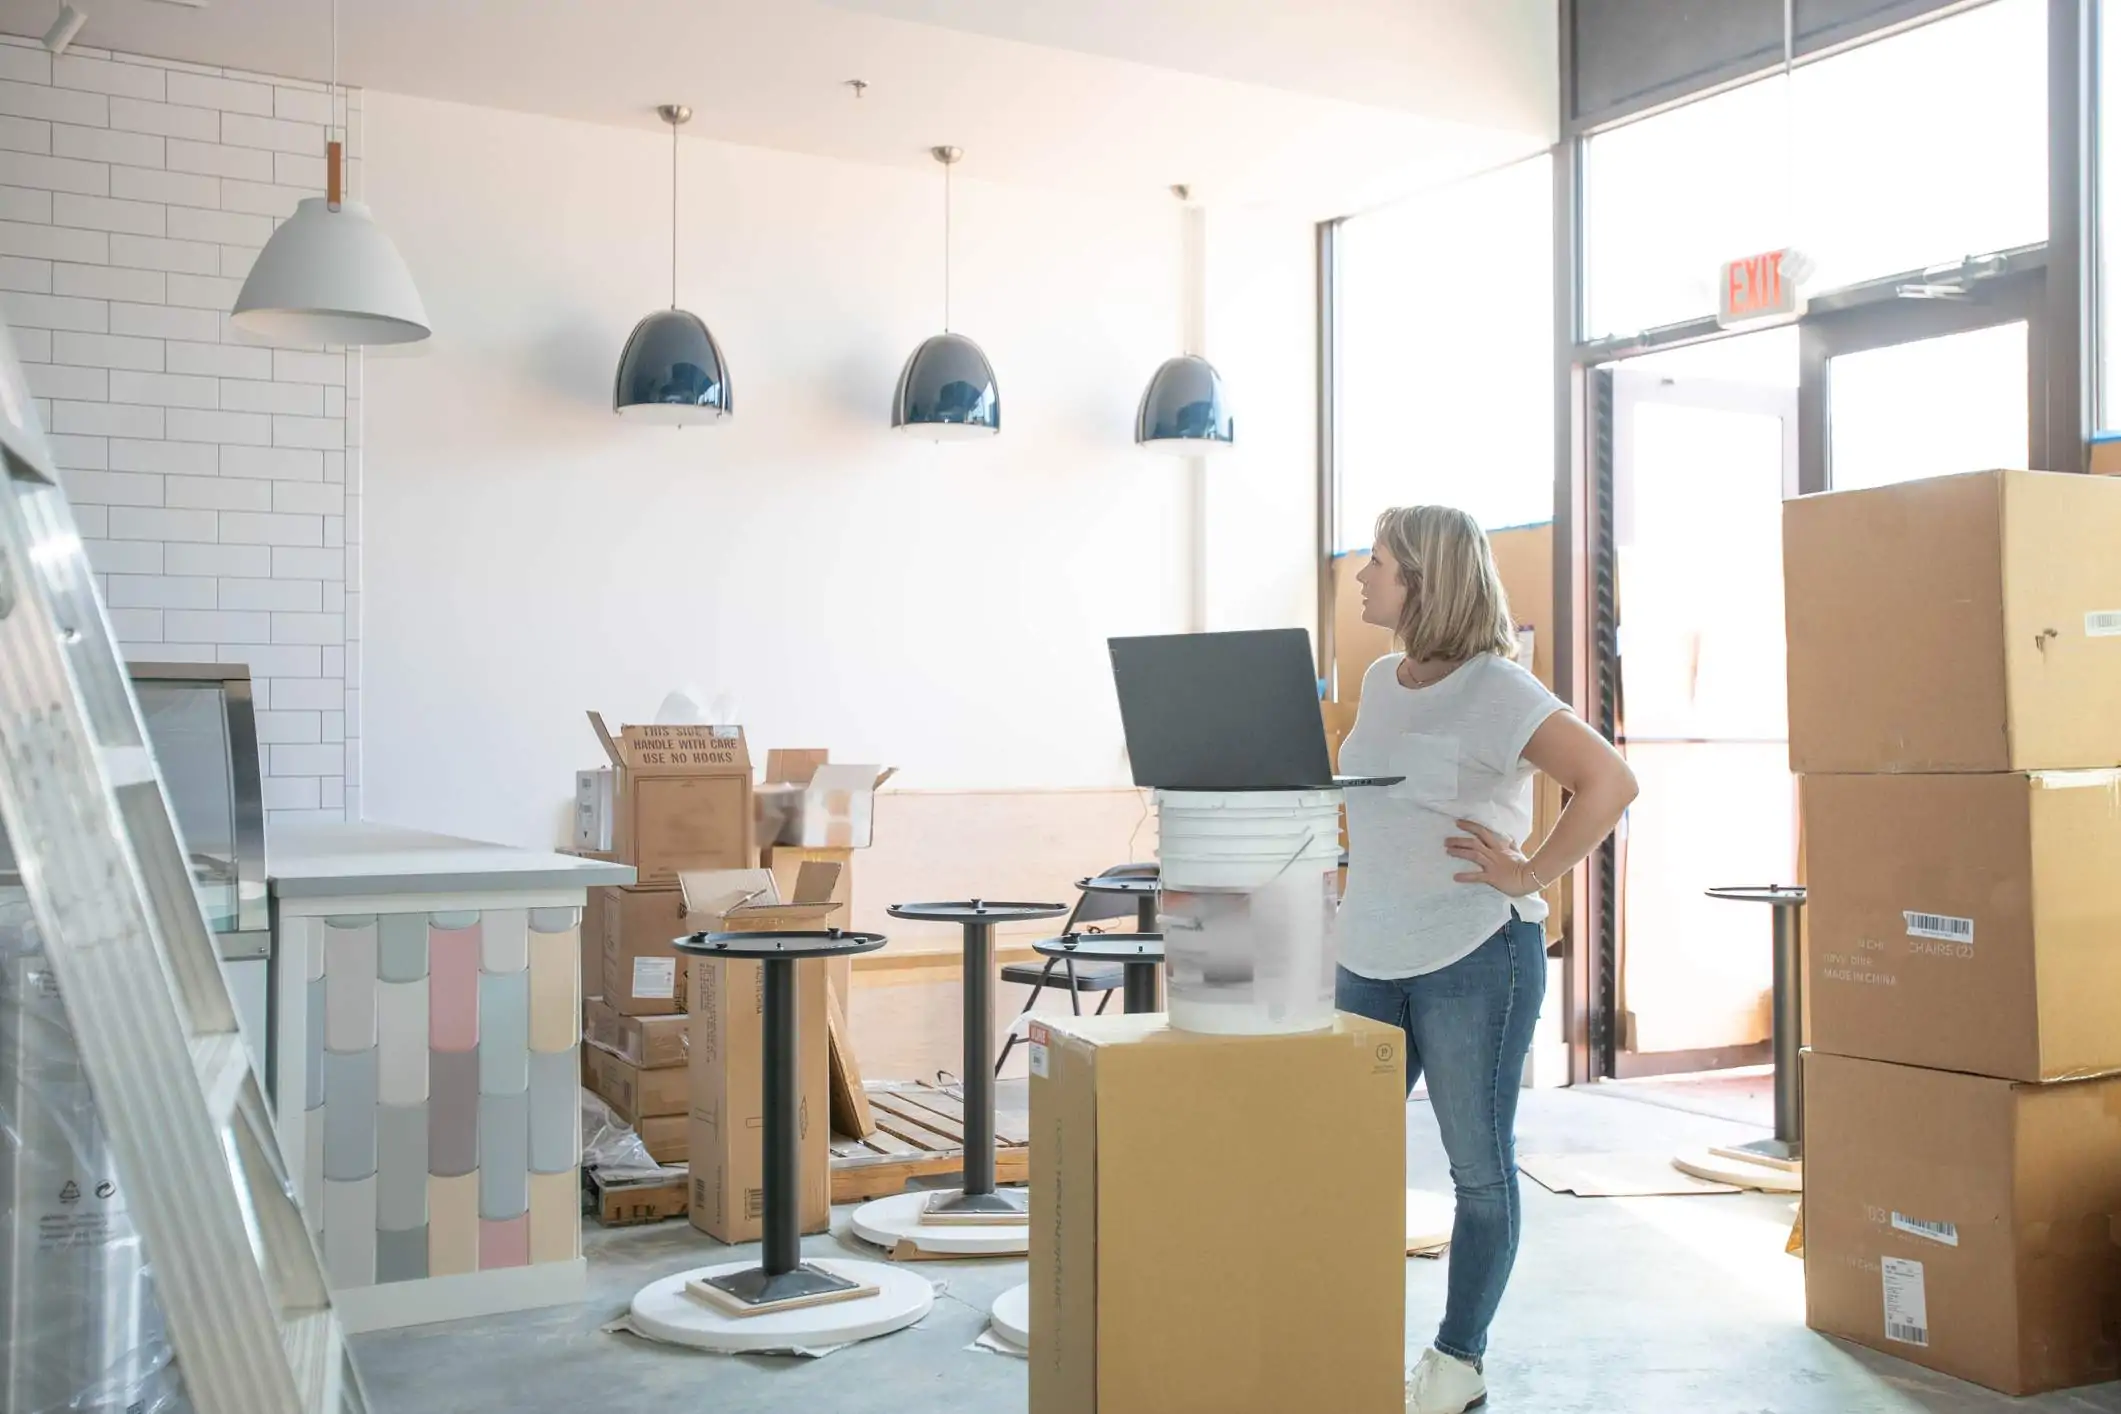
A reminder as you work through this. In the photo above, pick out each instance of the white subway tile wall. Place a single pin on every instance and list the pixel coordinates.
(216, 479)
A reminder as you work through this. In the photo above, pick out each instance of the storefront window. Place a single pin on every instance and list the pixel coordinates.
(1445, 380)
(1912, 151)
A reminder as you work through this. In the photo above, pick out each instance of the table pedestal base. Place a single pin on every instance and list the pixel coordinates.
(905, 1226)
(666, 1311)
(1010, 1316)
(755, 1290)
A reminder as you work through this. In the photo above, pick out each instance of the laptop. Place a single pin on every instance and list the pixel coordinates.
(1226, 712)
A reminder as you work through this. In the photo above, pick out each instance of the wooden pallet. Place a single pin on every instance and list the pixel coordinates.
(920, 1133)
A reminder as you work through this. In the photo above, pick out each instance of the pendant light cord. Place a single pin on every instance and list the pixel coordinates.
(946, 246)
(673, 213)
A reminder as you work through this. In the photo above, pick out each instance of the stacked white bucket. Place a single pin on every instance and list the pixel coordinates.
(1250, 890)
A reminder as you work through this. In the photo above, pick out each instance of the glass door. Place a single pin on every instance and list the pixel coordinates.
(1945, 378)
(1701, 466)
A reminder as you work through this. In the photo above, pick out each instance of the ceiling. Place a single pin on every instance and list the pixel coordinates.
(1326, 106)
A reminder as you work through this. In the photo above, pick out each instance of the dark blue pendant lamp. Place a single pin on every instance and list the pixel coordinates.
(672, 371)
(947, 391)
(1183, 410)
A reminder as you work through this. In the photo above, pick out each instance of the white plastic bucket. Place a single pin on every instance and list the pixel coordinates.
(1250, 891)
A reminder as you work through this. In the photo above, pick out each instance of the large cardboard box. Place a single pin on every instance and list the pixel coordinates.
(726, 1036)
(682, 799)
(1143, 1301)
(646, 1042)
(1962, 623)
(637, 927)
(786, 862)
(1966, 1224)
(635, 1094)
(1967, 922)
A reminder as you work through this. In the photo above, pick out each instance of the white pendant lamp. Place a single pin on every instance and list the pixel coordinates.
(329, 275)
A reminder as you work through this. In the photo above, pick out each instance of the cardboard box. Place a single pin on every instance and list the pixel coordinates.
(1142, 1301)
(1967, 922)
(1962, 623)
(647, 1042)
(682, 798)
(625, 1204)
(1966, 1224)
(668, 1138)
(643, 973)
(810, 802)
(635, 1094)
(726, 1035)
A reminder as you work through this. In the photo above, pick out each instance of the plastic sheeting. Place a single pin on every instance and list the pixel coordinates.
(81, 1331)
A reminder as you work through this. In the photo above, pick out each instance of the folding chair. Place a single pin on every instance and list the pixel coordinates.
(1102, 977)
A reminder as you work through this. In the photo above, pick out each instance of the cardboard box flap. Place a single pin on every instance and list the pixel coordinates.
(748, 900)
(794, 766)
(611, 748)
(700, 750)
(816, 880)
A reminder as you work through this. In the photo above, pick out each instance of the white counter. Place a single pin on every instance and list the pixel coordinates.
(360, 859)
(425, 1068)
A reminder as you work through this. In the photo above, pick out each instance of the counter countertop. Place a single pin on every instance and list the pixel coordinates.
(333, 860)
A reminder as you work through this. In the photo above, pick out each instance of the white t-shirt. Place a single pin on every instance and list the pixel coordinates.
(1460, 744)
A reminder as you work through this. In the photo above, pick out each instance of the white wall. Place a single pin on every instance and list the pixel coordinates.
(213, 477)
(943, 608)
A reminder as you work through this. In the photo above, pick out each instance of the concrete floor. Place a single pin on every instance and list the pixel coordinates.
(1649, 1304)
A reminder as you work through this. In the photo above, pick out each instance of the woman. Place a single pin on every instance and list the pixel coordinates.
(1440, 932)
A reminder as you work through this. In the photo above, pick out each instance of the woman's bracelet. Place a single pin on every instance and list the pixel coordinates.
(1538, 883)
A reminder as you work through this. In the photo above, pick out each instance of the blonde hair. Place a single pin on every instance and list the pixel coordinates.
(1456, 605)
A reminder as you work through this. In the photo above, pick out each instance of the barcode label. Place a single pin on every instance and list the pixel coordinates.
(2103, 623)
(1940, 926)
(1946, 1233)
(754, 1204)
(1907, 1314)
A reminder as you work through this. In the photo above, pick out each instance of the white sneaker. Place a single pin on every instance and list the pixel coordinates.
(1444, 1384)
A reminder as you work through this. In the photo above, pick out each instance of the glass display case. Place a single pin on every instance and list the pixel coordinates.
(200, 722)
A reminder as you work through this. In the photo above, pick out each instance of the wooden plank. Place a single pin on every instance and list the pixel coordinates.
(917, 1134)
(850, 1101)
(949, 1107)
(858, 1180)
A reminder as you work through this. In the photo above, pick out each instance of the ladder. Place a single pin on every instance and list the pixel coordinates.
(244, 1298)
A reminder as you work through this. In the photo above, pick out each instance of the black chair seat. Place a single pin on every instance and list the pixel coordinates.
(1089, 977)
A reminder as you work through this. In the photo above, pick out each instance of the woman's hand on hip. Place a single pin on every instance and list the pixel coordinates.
(1497, 861)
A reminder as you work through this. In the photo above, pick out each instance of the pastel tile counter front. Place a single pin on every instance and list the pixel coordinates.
(426, 1066)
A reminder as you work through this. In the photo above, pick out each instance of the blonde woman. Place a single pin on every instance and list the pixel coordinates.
(1440, 931)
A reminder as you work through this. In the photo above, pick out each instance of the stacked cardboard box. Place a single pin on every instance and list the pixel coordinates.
(1955, 710)
(637, 1065)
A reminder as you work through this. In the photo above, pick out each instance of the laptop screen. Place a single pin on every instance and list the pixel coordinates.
(1222, 711)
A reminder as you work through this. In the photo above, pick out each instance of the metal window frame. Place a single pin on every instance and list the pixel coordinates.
(2061, 425)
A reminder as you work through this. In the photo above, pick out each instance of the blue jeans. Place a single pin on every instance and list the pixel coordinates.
(1469, 1028)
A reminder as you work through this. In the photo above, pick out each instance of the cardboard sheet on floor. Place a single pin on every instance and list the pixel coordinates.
(1626, 1175)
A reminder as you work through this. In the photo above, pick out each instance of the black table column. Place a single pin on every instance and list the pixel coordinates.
(781, 1275)
(979, 919)
(1788, 903)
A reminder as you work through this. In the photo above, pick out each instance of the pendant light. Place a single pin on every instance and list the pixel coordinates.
(1183, 410)
(672, 371)
(947, 390)
(329, 275)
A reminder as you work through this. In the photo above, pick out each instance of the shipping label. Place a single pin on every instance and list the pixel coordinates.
(1041, 1038)
(655, 978)
(1946, 1233)
(2103, 623)
(1941, 928)
(1907, 1315)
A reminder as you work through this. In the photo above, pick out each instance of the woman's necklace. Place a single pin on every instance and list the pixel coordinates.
(1408, 678)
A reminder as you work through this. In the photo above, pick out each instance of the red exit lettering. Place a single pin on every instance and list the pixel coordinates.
(1756, 287)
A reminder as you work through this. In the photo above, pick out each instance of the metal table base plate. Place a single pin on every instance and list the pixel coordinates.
(756, 1287)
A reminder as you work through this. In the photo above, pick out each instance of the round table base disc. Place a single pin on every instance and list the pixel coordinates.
(1715, 1168)
(895, 1223)
(665, 1311)
(1010, 1316)
(1429, 1217)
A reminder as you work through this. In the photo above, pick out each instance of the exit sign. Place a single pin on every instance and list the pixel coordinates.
(1759, 287)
